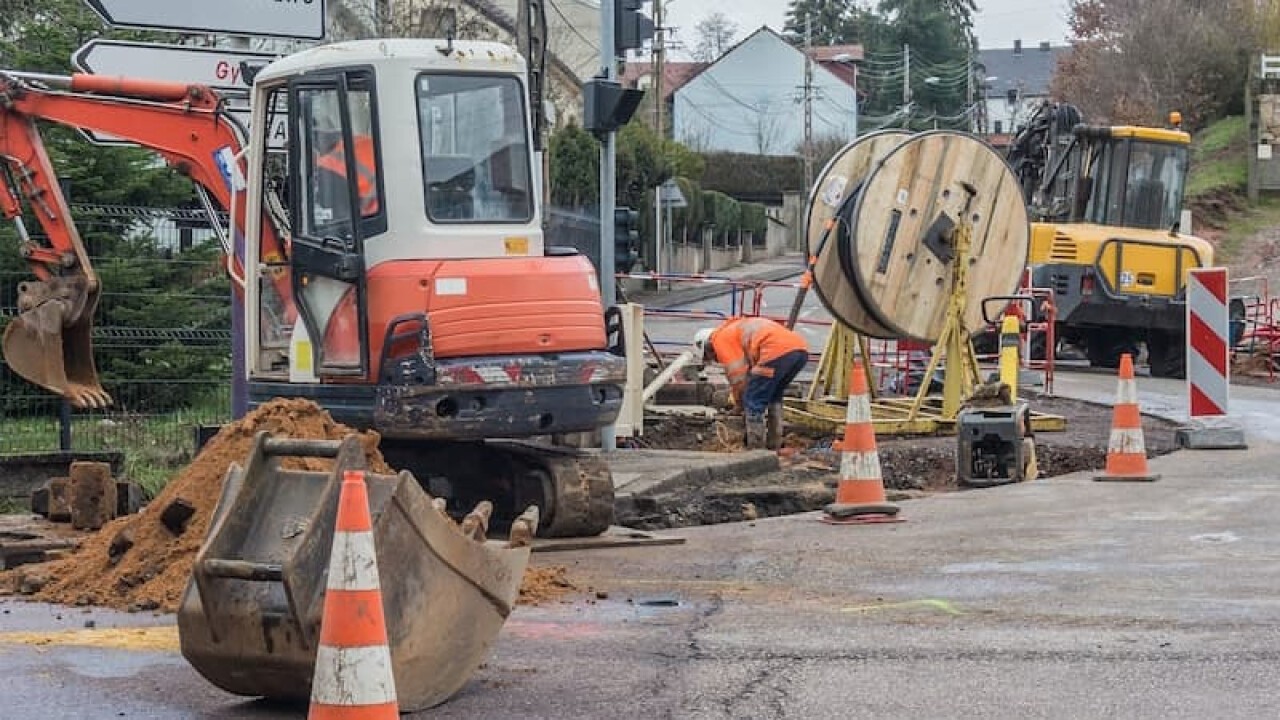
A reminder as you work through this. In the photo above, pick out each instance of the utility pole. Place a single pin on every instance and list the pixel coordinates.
(808, 104)
(968, 90)
(608, 187)
(659, 65)
(659, 75)
(906, 76)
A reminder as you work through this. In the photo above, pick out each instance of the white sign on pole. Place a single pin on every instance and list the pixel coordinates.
(216, 68)
(669, 195)
(302, 19)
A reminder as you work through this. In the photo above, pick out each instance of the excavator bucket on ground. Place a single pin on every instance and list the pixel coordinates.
(50, 342)
(249, 621)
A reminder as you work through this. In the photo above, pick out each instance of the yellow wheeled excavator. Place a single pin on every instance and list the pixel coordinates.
(1106, 206)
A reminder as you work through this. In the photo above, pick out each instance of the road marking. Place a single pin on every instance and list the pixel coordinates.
(929, 603)
(153, 639)
(1222, 537)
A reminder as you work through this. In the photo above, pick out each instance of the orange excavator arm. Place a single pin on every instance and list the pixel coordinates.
(49, 343)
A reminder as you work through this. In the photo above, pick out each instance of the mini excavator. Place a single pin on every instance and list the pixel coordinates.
(392, 267)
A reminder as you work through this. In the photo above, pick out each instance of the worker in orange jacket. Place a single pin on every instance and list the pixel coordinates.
(335, 161)
(761, 358)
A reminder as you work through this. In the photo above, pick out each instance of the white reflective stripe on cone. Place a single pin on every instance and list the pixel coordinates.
(1126, 441)
(860, 466)
(353, 676)
(1127, 393)
(859, 410)
(353, 564)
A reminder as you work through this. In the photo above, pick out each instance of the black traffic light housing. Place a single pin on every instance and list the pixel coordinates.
(626, 239)
(631, 28)
(607, 105)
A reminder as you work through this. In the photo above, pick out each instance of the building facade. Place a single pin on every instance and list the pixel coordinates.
(1015, 81)
(751, 99)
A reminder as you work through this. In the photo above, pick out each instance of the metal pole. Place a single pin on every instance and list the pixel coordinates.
(659, 75)
(64, 426)
(239, 326)
(608, 187)
(906, 75)
(856, 109)
(808, 104)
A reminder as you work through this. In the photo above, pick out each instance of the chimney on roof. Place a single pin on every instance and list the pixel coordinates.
(1017, 47)
(1044, 46)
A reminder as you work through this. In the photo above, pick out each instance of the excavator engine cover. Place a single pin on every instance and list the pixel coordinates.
(249, 621)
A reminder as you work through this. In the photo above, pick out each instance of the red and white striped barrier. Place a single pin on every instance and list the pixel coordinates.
(1208, 347)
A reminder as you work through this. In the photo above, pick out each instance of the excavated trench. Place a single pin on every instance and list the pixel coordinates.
(912, 467)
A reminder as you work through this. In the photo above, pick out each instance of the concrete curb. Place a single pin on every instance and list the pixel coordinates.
(750, 463)
(662, 300)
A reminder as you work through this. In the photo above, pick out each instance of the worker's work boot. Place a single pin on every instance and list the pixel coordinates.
(773, 427)
(755, 437)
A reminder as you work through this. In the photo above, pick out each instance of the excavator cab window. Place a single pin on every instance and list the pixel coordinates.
(1137, 183)
(335, 179)
(475, 150)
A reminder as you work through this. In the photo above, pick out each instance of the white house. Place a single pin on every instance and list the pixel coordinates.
(751, 99)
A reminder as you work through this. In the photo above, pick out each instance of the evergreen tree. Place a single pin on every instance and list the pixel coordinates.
(827, 20)
(143, 286)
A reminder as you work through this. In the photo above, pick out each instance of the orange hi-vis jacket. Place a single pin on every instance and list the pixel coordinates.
(366, 174)
(744, 345)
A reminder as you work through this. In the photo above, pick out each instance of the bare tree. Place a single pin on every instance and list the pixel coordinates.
(715, 35)
(1123, 67)
(767, 128)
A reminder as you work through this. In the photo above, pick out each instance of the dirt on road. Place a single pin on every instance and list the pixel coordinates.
(140, 562)
(143, 562)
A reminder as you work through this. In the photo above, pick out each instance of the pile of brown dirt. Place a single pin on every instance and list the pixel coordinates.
(153, 573)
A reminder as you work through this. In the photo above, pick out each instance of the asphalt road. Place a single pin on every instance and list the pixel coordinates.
(1062, 598)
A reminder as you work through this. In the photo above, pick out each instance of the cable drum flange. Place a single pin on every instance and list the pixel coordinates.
(891, 275)
(834, 196)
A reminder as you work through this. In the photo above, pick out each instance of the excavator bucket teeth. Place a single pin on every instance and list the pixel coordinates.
(41, 347)
(249, 619)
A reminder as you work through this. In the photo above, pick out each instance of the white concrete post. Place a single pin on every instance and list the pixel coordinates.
(631, 420)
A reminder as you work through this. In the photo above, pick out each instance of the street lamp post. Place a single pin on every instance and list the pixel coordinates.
(847, 59)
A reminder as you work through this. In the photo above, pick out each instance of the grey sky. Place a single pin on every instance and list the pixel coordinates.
(998, 23)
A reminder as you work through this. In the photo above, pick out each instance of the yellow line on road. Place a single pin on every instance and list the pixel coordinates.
(928, 603)
(157, 639)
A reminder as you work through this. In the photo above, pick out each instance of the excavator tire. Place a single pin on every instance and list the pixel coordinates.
(572, 489)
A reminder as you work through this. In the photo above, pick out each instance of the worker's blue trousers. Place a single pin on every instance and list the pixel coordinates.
(767, 384)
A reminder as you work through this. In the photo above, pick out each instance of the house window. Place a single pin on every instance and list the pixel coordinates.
(999, 126)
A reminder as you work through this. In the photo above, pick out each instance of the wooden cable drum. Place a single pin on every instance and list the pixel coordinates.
(835, 192)
(891, 274)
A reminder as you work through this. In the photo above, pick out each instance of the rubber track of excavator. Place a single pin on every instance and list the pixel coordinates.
(581, 488)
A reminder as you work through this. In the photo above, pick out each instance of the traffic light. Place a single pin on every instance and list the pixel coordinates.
(626, 239)
(630, 26)
(607, 106)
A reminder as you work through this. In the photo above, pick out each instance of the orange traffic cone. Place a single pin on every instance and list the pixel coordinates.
(1127, 450)
(353, 678)
(860, 495)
